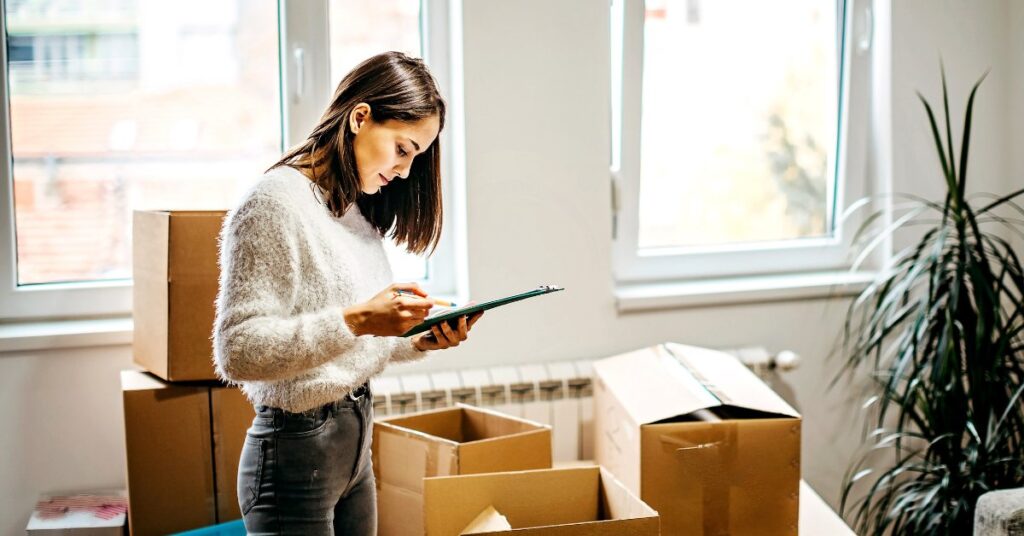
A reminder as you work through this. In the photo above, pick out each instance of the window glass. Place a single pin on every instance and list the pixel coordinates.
(118, 105)
(739, 121)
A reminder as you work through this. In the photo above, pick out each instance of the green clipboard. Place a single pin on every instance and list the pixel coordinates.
(453, 314)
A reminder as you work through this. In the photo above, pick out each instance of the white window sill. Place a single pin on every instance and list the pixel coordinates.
(48, 335)
(754, 289)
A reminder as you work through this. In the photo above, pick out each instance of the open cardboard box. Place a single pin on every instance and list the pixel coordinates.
(460, 440)
(701, 439)
(563, 502)
(174, 265)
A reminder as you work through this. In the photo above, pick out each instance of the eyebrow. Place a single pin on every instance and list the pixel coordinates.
(414, 144)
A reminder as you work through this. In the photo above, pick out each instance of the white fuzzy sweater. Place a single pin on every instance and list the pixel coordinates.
(288, 268)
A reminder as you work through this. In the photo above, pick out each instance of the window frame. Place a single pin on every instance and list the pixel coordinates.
(301, 24)
(633, 266)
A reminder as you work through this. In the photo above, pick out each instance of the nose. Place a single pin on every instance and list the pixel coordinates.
(402, 169)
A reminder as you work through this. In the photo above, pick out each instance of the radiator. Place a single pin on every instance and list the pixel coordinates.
(556, 393)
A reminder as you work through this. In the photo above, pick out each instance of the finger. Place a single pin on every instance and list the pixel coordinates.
(463, 328)
(410, 287)
(439, 336)
(474, 318)
(414, 302)
(453, 339)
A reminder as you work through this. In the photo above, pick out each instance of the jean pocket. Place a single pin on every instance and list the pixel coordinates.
(250, 472)
(296, 425)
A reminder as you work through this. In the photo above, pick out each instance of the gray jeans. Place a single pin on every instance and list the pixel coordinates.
(310, 472)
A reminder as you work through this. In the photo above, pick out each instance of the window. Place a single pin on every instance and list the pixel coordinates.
(117, 105)
(352, 41)
(731, 134)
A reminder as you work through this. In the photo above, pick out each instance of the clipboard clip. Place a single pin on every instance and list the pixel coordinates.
(551, 288)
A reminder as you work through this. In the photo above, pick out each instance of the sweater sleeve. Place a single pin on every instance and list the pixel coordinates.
(402, 350)
(256, 335)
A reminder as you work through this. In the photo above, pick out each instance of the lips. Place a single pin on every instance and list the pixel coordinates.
(384, 180)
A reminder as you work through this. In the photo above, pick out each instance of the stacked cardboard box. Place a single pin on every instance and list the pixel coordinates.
(700, 439)
(174, 266)
(183, 430)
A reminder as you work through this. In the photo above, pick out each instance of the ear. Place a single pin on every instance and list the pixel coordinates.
(359, 117)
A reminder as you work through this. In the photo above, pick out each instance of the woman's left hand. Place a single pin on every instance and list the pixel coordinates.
(442, 336)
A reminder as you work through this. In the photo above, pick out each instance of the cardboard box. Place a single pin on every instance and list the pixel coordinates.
(460, 440)
(169, 454)
(701, 439)
(176, 277)
(183, 443)
(563, 502)
(232, 415)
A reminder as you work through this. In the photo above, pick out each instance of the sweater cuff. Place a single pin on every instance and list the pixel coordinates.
(404, 351)
(333, 329)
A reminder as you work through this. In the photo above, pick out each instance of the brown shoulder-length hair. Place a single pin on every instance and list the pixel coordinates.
(398, 87)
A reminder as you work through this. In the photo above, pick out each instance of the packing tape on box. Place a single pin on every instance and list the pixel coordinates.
(709, 453)
(707, 384)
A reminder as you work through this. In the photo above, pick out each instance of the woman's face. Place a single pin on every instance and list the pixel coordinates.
(385, 150)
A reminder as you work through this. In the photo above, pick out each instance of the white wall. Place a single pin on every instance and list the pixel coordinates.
(970, 37)
(536, 89)
(1014, 103)
(63, 426)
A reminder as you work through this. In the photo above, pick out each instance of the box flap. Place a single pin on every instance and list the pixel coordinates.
(443, 425)
(489, 520)
(403, 457)
(463, 424)
(667, 381)
(400, 510)
(481, 424)
(652, 386)
(523, 451)
(618, 503)
(729, 380)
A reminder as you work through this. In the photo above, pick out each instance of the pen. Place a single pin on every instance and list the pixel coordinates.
(442, 303)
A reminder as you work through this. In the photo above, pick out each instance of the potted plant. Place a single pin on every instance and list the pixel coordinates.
(940, 333)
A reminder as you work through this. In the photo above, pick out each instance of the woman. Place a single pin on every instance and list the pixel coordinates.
(307, 313)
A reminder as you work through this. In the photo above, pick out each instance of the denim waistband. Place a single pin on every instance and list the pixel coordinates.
(351, 399)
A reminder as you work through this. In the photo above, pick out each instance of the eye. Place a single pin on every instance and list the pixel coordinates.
(401, 151)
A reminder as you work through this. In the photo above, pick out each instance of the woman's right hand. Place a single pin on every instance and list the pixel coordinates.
(389, 314)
